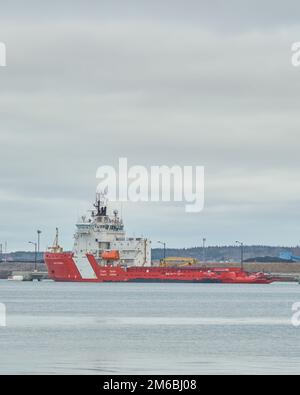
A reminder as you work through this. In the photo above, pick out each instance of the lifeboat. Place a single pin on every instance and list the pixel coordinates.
(112, 255)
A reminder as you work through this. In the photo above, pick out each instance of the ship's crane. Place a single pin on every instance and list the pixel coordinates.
(56, 248)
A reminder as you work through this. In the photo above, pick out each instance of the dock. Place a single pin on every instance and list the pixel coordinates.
(29, 276)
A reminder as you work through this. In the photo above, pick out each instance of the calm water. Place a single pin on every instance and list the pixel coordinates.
(148, 328)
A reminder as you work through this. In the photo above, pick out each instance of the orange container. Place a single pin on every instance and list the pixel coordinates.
(112, 255)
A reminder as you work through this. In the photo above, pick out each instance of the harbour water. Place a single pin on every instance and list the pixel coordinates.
(67, 328)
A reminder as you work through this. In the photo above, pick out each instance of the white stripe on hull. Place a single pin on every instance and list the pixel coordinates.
(84, 267)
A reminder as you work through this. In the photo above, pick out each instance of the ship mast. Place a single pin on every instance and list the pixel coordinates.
(101, 204)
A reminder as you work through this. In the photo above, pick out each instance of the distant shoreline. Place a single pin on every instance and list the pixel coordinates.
(225, 253)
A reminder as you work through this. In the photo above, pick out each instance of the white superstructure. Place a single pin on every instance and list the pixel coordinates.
(100, 232)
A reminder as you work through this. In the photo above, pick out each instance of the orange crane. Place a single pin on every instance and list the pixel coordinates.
(178, 261)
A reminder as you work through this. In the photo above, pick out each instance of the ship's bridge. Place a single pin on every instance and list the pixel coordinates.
(83, 228)
(100, 232)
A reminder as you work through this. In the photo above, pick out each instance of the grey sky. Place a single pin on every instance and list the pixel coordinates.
(161, 82)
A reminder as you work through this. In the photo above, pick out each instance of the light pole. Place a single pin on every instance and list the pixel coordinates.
(242, 253)
(203, 252)
(164, 244)
(35, 254)
(38, 242)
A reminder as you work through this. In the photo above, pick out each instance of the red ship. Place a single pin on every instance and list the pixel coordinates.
(103, 253)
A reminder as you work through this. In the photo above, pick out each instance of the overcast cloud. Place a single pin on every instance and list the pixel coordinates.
(160, 82)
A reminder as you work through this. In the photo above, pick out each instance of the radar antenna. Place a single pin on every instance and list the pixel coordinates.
(101, 204)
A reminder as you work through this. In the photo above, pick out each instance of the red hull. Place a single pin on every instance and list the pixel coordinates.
(64, 267)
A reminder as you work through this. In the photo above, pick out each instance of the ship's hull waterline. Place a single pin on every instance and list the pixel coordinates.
(68, 268)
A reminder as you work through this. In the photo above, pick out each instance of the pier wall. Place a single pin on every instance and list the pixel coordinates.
(6, 268)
